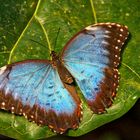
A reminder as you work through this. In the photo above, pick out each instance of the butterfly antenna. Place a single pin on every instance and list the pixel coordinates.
(54, 42)
(38, 42)
(56, 39)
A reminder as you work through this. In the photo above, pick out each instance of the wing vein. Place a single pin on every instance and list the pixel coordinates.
(80, 48)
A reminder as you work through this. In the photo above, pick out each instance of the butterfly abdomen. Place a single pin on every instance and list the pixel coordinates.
(64, 74)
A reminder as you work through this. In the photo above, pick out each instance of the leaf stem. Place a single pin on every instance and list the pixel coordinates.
(46, 35)
(15, 46)
(93, 10)
(131, 70)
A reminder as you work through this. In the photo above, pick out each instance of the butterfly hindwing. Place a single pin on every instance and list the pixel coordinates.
(92, 57)
(33, 88)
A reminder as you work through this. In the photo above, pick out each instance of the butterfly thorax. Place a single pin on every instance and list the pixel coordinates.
(64, 74)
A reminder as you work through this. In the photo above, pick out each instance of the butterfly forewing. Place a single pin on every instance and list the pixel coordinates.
(92, 56)
(34, 89)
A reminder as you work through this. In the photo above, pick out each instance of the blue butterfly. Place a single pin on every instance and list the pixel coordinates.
(44, 90)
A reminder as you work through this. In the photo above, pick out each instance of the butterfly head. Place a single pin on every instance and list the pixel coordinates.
(54, 56)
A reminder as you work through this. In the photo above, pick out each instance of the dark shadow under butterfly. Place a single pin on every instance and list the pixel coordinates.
(43, 90)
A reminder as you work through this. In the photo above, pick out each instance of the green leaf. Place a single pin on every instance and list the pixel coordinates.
(24, 23)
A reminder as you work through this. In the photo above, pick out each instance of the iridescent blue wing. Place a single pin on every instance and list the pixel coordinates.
(34, 89)
(92, 57)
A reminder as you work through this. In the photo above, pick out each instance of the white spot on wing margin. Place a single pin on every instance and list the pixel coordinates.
(2, 69)
(91, 28)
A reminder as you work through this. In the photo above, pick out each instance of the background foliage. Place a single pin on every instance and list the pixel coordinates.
(24, 23)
